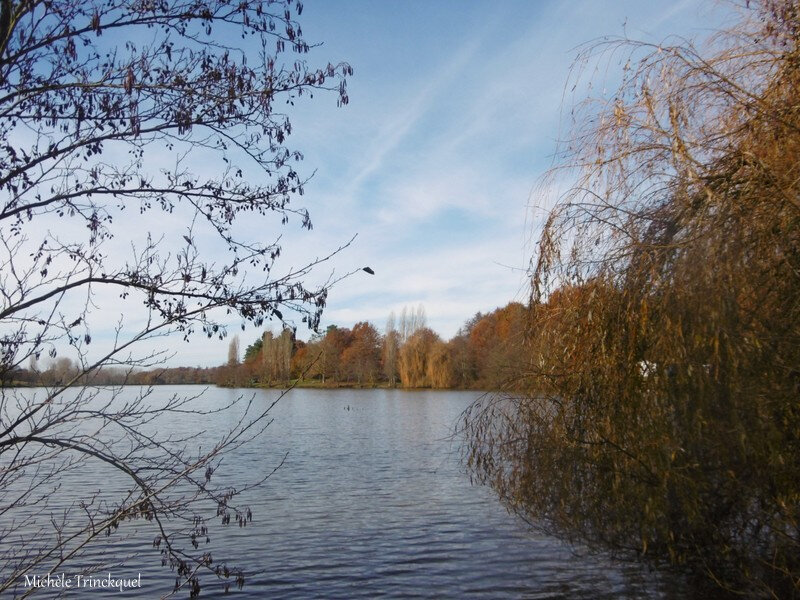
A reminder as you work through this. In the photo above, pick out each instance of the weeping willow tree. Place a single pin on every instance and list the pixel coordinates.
(661, 419)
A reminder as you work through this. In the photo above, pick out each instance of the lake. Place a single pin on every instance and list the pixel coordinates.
(371, 501)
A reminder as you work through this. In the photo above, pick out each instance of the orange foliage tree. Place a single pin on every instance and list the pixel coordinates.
(661, 415)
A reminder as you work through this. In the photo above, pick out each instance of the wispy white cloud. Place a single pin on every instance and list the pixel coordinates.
(453, 119)
(412, 108)
(444, 192)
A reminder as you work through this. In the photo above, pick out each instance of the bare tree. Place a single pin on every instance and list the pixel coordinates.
(411, 321)
(130, 135)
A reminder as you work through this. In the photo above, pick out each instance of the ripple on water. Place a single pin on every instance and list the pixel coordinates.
(372, 502)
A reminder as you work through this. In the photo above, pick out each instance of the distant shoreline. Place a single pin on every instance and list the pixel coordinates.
(286, 385)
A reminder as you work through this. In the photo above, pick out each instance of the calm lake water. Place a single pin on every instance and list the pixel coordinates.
(371, 502)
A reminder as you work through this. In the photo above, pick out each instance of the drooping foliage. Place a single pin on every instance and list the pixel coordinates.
(662, 416)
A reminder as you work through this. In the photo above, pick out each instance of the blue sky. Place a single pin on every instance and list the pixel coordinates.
(455, 110)
(454, 114)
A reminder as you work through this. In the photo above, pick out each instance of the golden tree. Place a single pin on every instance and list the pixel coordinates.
(414, 357)
(661, 419)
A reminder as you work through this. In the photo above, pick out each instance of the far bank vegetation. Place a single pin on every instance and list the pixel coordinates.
(482, 355)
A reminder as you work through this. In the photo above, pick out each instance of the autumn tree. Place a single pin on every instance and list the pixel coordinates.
(496, 345)
(135, 135)
(361, 358)
(461, 363)
(327, 353)
(661, 417)
(439, 368)
(414, 357)
(300, 360)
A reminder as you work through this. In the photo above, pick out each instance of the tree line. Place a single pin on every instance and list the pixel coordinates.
(63, 369)
(485, 353)
(482, 355)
